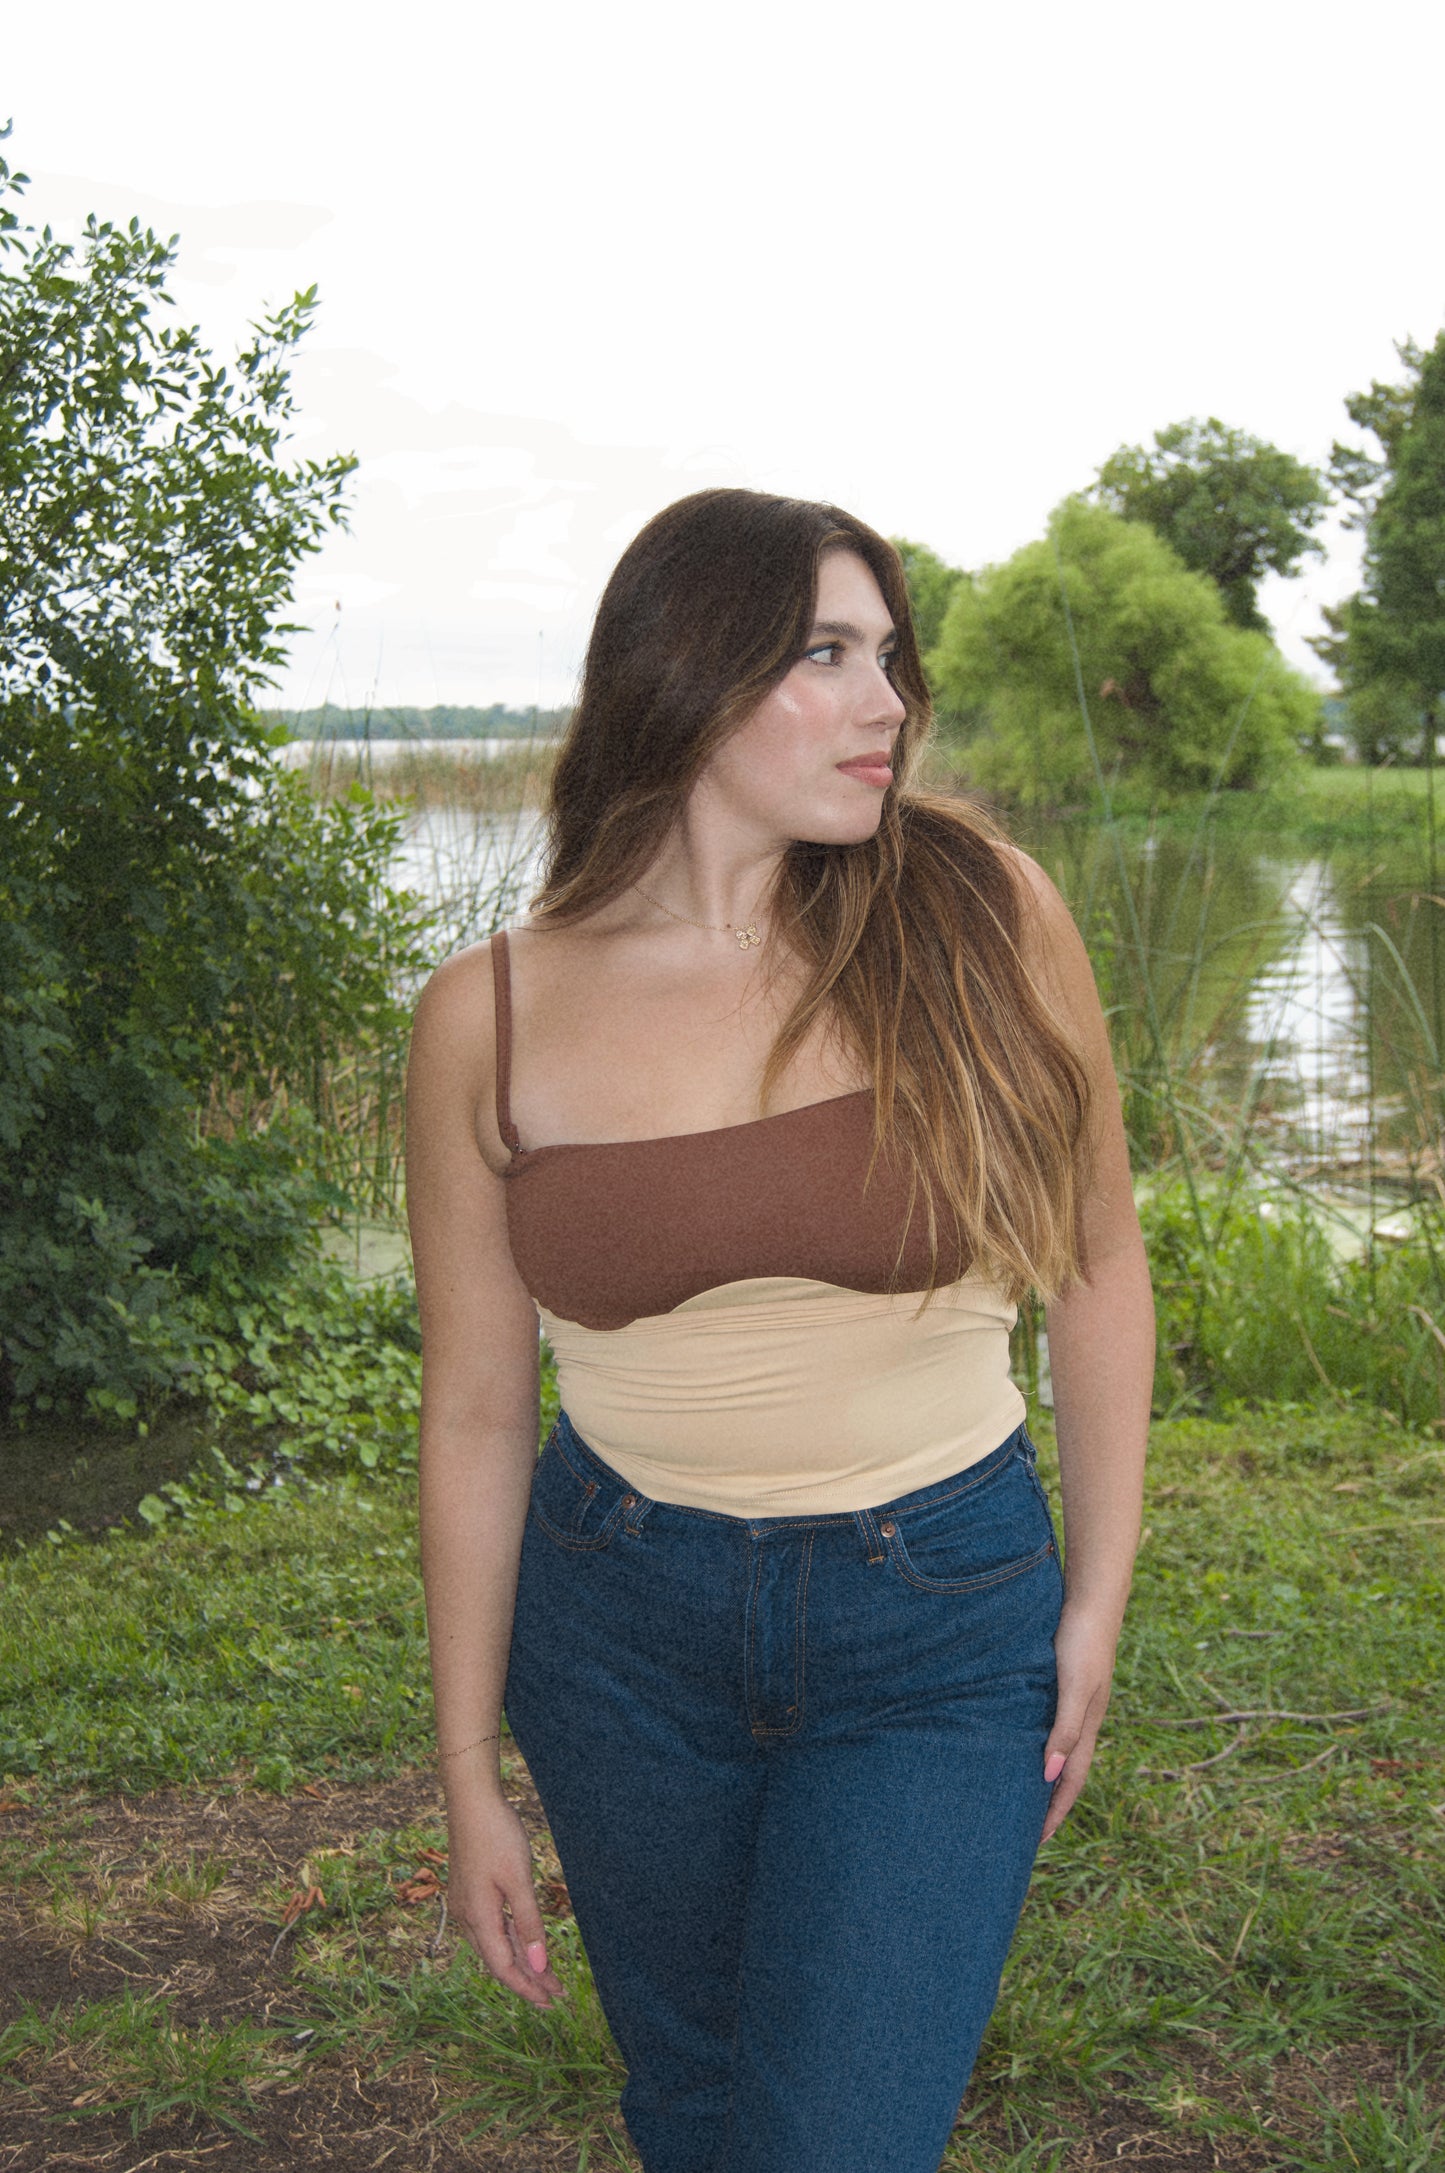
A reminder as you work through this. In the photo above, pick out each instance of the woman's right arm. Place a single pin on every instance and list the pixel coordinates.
(478, 1451)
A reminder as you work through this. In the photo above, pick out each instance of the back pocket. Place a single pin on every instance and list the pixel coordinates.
(978, 1535)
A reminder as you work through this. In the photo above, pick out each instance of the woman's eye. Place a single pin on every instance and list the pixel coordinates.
(831, 652)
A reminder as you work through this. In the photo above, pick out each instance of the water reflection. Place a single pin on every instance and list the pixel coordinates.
(1290, 997)
(1303, 1017)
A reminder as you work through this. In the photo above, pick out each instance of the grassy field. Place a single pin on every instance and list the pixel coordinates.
(1337, 808)
(1357, 799)
(223, 1851)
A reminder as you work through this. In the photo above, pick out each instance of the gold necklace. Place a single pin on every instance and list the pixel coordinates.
(747, 937)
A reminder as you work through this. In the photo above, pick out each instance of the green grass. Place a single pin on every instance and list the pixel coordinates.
(1290, 1898)
(1240, 1934)
(1354, 802)
(1338, 804)
(281, 1639)
(513, 2069)
(146, 2067)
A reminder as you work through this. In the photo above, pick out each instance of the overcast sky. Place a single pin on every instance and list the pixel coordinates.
(933, 263)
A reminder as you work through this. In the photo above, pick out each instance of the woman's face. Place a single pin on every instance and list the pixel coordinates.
(784, 767)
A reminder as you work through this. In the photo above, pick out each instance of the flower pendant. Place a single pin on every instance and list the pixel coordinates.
(748, 936)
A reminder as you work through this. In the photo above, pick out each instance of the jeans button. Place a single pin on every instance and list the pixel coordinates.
(888, 1529)
(629, 1501)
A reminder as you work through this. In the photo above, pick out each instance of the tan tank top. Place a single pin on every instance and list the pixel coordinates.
(718, 1307)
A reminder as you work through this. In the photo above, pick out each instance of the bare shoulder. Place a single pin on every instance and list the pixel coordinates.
(1043, 904)
(452, 1065)
(1049, 937)
(1037, 888)
(456, 1010)
(458, 979)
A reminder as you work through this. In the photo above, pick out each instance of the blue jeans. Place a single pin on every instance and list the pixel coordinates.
(793, 1769)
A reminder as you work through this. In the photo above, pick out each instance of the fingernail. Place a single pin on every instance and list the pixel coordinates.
(1054, 1767)
(537, 1956)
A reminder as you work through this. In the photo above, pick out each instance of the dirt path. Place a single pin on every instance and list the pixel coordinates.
(74, 1936)
(179, 1897)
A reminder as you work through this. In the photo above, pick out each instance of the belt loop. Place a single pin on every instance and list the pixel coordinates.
(868, 1532)
(634, 1508)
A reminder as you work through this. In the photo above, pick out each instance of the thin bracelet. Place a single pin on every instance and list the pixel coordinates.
(481, 1739)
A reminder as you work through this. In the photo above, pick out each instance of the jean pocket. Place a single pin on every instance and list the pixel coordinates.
(977, 1535)
(571, 1504)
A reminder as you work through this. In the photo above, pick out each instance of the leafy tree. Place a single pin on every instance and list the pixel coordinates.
(1178, 696)
(931, 585)
(1387, 642)
(1383, 715)
(1232, 506)
(1387, 411)
(181, 929)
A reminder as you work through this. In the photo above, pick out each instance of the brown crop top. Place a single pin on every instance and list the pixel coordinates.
(605, 1233)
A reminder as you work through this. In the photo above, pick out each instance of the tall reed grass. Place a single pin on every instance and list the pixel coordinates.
(459, 779)
(1252, 1292)
(1274, 1275)
(356, 1092)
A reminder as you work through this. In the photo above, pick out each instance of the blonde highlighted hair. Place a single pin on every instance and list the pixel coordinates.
(912, 942)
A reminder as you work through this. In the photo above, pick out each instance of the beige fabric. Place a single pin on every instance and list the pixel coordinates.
(779, 1393)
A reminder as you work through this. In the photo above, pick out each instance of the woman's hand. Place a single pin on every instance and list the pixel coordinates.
(489, 1872)
(1084, 1648)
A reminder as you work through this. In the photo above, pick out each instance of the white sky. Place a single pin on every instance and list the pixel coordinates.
(933, 263)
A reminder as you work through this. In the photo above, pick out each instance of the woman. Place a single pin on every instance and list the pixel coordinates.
(792, 1084)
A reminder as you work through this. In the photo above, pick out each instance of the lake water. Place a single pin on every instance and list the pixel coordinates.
(1297, 996)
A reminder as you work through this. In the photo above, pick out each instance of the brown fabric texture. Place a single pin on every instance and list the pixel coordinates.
(606, 1234)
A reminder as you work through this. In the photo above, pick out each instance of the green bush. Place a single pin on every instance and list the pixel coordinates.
(114, 1262)
(189, 944)
(1098, 644)
(1255, 1306)
(327, 1369)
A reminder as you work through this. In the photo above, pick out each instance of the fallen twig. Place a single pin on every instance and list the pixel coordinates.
(434, 1945)
(1177, 1773)
(1353, 1531)
(1287, 1773)
(1270, 1712)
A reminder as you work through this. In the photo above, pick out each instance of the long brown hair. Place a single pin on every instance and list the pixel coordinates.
(911, 939)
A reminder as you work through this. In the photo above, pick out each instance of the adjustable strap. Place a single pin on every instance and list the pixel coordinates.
(502, 989)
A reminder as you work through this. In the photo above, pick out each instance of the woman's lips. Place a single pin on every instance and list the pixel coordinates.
(868, 773)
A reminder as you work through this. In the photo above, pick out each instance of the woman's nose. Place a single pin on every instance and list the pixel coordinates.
(891, 707)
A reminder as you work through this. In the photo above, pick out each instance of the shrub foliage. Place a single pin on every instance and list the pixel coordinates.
(183, 931)
(1101, 632)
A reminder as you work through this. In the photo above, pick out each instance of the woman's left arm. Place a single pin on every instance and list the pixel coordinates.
(1101, 1358)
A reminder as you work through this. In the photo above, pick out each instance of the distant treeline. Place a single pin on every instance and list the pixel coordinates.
(496, 722)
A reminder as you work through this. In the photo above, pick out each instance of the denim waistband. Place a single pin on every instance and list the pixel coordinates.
(639, 1504)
